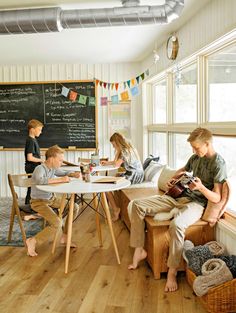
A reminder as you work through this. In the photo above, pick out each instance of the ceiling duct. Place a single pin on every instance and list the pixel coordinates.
(55, 19)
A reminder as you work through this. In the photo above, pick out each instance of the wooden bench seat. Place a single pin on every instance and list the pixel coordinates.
(157, 234)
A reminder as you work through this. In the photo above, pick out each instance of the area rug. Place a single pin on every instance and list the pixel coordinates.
(32, 227)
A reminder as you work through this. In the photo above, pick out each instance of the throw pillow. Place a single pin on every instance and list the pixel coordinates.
(165, 176)
(149, 159)
(152, 172)
(214, 211)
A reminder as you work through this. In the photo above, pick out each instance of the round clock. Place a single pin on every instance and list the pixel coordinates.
(172, 47)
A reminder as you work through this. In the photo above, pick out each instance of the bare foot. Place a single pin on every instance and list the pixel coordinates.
(31, 244)
(63, 241)
(116, 215)
(139, 254)
(171, 284)
(31, 217)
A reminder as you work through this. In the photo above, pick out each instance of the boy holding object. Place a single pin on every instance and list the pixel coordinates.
(43, 202)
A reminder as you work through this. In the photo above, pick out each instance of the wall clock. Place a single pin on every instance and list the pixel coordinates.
(172, 47)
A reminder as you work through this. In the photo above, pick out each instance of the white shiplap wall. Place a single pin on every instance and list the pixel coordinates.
(217, 18)
(13, 161)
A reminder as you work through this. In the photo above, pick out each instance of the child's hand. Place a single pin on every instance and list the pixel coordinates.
(196, 184)
(171, 182)
(65, 179)
(104, 163)
(75, 174)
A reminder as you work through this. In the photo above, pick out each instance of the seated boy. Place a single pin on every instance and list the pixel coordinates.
(43, 202)
(209, 170)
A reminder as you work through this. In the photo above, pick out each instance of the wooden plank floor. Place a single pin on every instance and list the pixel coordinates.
(95, 282)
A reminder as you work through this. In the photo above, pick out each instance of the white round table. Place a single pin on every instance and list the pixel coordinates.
(77, 186)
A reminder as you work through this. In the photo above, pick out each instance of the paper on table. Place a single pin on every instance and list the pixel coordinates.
(110, 180)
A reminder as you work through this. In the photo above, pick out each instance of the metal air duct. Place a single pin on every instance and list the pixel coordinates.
(55, 19)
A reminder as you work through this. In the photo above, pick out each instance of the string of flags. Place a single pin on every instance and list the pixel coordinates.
(129, 86)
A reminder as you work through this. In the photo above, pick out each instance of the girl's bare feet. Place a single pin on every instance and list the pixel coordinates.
(139, 254)
(31, 244)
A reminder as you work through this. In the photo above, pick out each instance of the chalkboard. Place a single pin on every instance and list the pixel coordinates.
(66, 122)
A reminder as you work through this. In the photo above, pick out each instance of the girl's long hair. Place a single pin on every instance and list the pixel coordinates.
(121, 143)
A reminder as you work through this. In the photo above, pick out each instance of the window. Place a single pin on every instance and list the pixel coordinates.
(200, 91)
(222, 85)
(185, 94)
(182, 150)
(157, 146)
(159, 110)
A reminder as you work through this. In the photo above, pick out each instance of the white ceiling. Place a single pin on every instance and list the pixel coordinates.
(92, 45)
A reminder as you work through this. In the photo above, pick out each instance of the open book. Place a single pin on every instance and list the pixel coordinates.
(110, 180)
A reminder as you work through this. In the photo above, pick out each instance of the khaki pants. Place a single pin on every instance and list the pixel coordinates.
(189, 213)
(45, 209)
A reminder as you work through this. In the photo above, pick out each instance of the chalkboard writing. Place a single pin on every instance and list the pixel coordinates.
(66, 122)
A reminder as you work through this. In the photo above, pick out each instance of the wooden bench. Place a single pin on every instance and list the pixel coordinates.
(157, 234)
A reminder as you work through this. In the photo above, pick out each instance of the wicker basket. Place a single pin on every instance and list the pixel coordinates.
(220, 299)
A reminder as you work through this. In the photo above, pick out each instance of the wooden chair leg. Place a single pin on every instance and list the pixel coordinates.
(21, 226)
(12, 217)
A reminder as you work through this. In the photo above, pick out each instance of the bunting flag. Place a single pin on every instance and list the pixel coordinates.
(124, 96)
(92, 101)
(128, 83)
(117, 86)
(104, 101)
(134, 91)
(133, 81)
(114, 99)
(82, 99)
(72, 95)
(65, 91)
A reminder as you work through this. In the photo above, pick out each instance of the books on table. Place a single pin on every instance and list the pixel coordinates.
(110, 180)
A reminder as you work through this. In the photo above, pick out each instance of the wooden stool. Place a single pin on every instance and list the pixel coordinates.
(157, 242)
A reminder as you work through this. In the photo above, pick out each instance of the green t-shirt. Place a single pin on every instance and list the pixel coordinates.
(209, 170)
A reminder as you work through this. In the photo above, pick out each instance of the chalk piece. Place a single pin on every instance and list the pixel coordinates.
(72, 147)
(1, 147)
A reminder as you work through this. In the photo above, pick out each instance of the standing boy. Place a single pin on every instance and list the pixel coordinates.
(209, 170)
(32, 150)
(43, 202)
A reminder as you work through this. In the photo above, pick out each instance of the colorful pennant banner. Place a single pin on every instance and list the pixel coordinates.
(130, 83)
